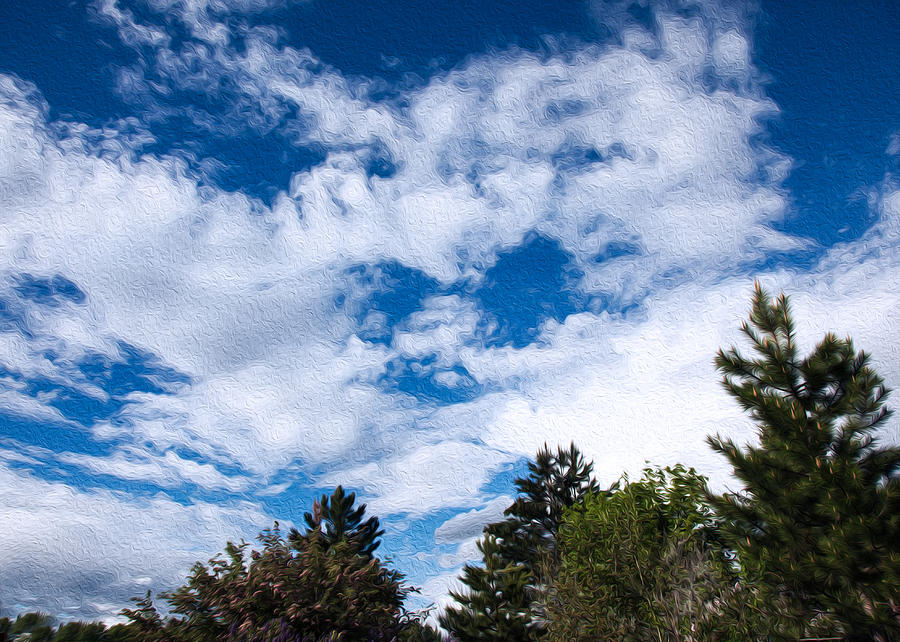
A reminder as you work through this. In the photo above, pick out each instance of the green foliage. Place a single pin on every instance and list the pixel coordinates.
(39, 626)
(519, 553)
(338, 521)
(817, 524)
(418, 631)
(323, 585)
(554, 483)
(641, 562)
(80, 632)
(122, 633)
(315, 586)
(36, 627)
(28, 622)
(808, 549)
(302, 589)
(497, 604)
(144, 620)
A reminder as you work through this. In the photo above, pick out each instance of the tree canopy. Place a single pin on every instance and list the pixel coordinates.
(320, 585)
(337, 520)
(807, 547)
(818, 518)
(642, 561)
(519, 552)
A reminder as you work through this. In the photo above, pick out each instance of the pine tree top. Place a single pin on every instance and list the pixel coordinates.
(819, 515)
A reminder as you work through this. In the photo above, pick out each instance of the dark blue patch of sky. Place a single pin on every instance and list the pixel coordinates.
(136, 370)
(55, 436)
(395, 291)
(394, 40)
(528, 285)
(834, 75)
(503, 481)
(424, 380)
(49, 291)
(72, 58)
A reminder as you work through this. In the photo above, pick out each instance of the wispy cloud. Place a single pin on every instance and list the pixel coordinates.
(74, 553)
(526, 248)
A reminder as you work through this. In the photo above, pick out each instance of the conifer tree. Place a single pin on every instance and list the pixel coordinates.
(337, 521)
(818, 520)
(523, 547)
(554, 483)
(496, 606)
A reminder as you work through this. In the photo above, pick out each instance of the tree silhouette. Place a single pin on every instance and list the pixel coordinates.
(555, 482)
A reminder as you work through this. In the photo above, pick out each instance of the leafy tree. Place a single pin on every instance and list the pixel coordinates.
(642, 562)
(305, 589)
(145, 622)
(322, 584)
(338, 521)
(39, 626)
(519, 553)
(418, 631)
(818, 519)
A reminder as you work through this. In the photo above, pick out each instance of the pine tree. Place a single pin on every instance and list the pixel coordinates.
(818, 520)
(144, 620)
(524, 546)
(554, 483)
(337, 520)
(496, 606)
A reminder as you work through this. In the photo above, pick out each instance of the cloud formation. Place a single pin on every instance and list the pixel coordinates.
(374, 323)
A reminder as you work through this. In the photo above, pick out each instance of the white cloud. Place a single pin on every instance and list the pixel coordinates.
(442, 328)
(420, 480)
(466, 525)
(893, 148)
(625, 390)
(731, 53)
(14, 401)
(506, 117)
(168, 470)
(240, 297)
(242, 301)
(466, 551)
(97, 549)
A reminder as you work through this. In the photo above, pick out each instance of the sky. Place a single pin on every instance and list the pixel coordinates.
(254, 249)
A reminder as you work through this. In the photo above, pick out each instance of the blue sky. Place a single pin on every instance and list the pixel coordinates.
(253, 249)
